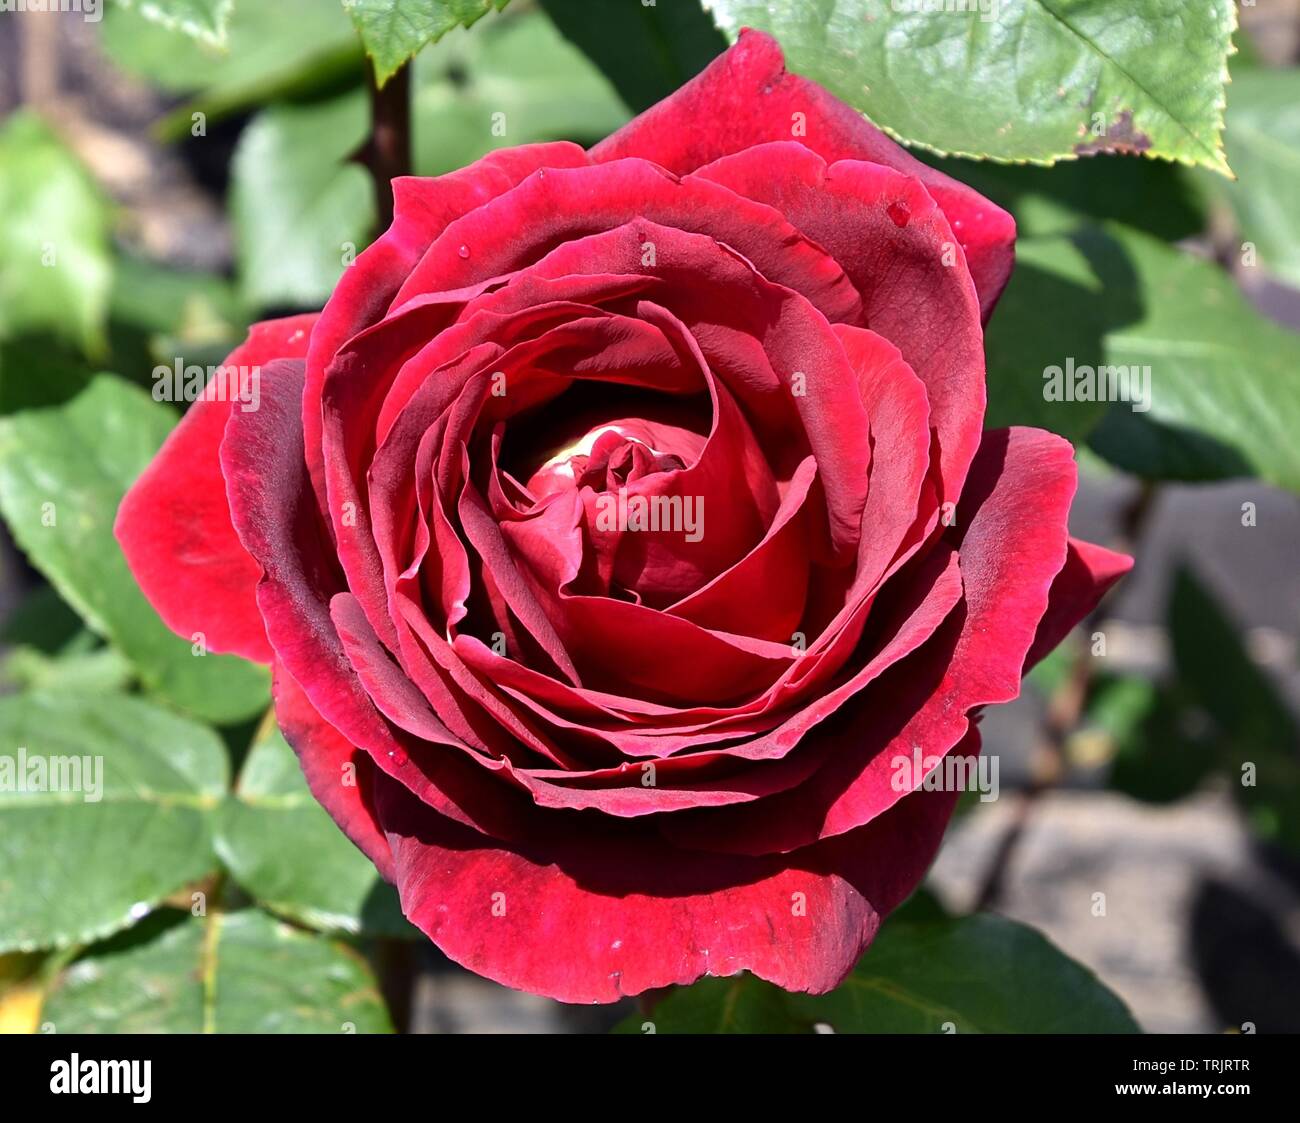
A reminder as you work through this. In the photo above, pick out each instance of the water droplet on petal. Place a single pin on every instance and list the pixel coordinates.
(397, 757)
(899, 212)
(463, 251)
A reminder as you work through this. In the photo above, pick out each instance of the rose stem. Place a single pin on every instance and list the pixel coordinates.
(387, 152)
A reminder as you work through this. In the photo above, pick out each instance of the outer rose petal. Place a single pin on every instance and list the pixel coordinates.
(1088, 572)
(323, 752)
(747, 98)
(596, 913)
(174, 524)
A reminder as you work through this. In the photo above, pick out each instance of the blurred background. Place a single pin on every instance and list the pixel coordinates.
(196, 190)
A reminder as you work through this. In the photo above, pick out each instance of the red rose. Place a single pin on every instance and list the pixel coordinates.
(621, 520)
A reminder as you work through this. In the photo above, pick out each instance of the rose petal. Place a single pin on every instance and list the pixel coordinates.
(1011, 536)
(630, 913)
(340, 776)
(748, 98)
(913, 293)
(1088, 572)
(174, 524)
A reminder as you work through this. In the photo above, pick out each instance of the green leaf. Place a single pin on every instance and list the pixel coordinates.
(159, 315)
(240, 972)
(282, 847)
(43, 622)
(1017, 80)
(519, 67)
(1261, 755)
(289, 48)
(1161, 752)
(76, 865)
(645, 52)
(63, 472)
(160, 300)
(200, 19)
(300, 209)
(393, 31)
(977, 974)
(1150, 195)
(39, 370)
(50, 649)
(1224, 380)
(101, 669)
(55, 266)
(1054, 306)
(739, 1004)
(1264, 146)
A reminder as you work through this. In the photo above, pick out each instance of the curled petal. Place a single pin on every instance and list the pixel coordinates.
(174, 524)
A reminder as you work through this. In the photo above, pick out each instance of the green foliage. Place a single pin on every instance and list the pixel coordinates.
(89, 668)
(1160, 751)
(204, 20)
(1260, 740)
(977, 974)
(79, 864)
(1055, 306)
(237, 972)
(301, 210)
(63, 472)
(1225, 381)
(647, 51)
(1149, 195)
(1264, 146)
(289, 48)
(740, 1004)
(1044, 80)
(282, 847)
(518, 67)
(55, 268)
(158, 313)
(393, 31)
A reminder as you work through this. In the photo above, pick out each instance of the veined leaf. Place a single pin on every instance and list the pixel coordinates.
(1016, 80)
(106, 805)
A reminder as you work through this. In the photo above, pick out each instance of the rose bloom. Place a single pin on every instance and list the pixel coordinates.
(620, 521)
